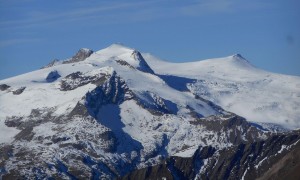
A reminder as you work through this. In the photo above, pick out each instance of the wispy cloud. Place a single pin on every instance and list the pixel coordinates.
(38, 18)
(132, 11)
(208, 7)
(11, 42)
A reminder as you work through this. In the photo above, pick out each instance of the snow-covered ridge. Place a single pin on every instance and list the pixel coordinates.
(40, 92)
(238, 86)
(231, 82)
(81, 55)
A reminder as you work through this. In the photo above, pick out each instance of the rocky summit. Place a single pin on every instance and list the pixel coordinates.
(118, 113)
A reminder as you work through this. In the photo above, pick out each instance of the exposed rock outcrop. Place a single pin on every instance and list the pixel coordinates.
(273, 158)
(19, 91)
(81, 55)
(143, 65)
(52, 76)
(4, 87)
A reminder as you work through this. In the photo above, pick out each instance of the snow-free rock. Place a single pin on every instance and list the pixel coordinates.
(4, 87)
(52, 76)
(81, 55)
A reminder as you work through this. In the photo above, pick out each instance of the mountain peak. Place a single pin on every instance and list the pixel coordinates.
(85, 50)
(81, 55)
(52, 63)
(238, 56)
(142, 64)
(119, 46)
(114, 50)
(124, 56)
(240, 60)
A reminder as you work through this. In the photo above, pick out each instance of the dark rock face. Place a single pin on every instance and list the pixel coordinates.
(273, 158)
(113, 91)
(78, 79)
(52, 63)
(251, 160)
(79, 110)
(287, 167)
(174, 167)
(36, 117)
(81, 55)
(19, 91)
(160, 171)
(4, 87)
(143, 66)
(235, 128)
(211, 104)
(111, 141)
(155, 104)
(124, 63)
(52, 76)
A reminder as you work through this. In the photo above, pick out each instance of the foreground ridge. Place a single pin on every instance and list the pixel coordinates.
(273, 158)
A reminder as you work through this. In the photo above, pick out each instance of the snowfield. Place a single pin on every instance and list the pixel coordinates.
(114, 108)
(239, 87)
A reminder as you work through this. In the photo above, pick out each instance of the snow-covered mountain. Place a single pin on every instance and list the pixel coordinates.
(239, 87)
(107, 113)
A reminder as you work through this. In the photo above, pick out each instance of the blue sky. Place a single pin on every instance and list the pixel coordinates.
(266, 32)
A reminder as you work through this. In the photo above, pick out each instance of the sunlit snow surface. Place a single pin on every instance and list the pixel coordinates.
(40, 94)
(230, 82)
(237, 86)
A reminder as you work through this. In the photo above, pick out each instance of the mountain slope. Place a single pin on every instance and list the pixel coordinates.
(237, 86)
(273, 158)
(104, 114)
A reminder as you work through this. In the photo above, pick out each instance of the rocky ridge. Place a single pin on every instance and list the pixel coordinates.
(273, 158)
